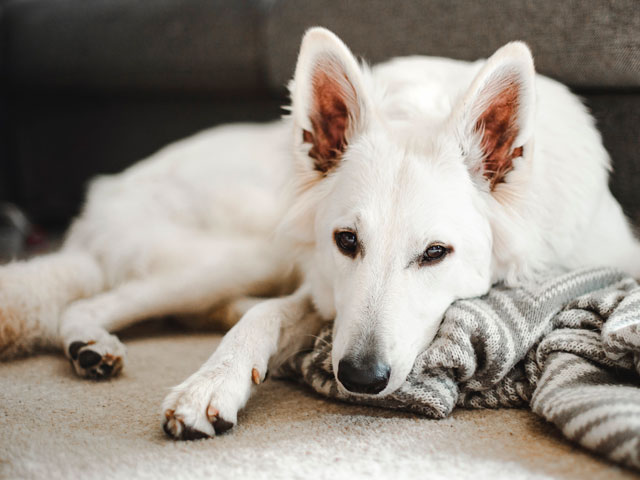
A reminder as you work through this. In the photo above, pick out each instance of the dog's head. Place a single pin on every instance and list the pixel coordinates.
(396, 219)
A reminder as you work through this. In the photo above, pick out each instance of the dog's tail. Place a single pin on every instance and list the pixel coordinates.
(34, 293)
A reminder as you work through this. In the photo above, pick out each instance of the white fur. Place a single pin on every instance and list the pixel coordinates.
(228, 212)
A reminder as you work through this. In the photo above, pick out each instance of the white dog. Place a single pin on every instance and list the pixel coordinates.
(393, 190)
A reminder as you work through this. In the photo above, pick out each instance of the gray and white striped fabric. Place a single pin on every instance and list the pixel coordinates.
(567, 346)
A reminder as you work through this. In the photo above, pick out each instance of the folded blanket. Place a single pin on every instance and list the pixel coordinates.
(568, 346)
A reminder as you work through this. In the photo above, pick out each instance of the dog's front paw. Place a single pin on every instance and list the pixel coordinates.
(98, 358)
(207, 403)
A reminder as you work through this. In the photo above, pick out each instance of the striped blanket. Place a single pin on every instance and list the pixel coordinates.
(568, 347)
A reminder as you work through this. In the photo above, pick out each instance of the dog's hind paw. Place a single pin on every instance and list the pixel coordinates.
(96, 359)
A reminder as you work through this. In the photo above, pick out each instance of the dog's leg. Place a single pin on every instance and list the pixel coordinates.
(34, 293)
(194, 288)
(207, 403)
(225, 315)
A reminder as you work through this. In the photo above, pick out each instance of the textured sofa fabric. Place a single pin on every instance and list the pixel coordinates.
(164, 45)
(215, 45)
(583, 43)
(618, 117)
(91, 87)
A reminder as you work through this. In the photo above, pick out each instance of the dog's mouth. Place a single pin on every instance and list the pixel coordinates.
(345, 392)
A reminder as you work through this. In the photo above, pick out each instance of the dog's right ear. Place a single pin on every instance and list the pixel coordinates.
(328, 102)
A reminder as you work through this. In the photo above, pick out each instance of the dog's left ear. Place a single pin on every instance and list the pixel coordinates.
(328, 100)
(495, 117)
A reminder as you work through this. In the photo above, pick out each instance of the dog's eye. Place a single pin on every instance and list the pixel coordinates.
(347, 242)
(434, 253)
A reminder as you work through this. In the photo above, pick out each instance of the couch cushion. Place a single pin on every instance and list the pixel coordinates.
(164, 44)
(618, 118)
(583, 43)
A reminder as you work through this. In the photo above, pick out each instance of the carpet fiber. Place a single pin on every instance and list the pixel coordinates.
(54, 425)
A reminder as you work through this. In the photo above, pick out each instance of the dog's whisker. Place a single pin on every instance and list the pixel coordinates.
(298, 352)
(318, 338)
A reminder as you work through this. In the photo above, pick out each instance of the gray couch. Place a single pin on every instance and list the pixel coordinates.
(92, 86)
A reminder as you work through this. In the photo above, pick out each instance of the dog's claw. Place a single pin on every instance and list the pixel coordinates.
(255, 376)
(173, 425)
(220, 425)
(212, 413)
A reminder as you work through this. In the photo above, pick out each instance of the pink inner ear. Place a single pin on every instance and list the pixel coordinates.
(329, 120)
(498, 124)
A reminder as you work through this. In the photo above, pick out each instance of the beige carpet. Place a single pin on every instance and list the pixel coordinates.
(54, 425)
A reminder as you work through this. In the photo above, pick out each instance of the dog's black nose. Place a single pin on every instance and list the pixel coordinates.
(369, 376)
